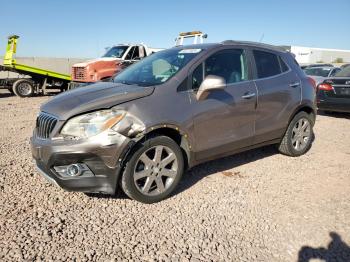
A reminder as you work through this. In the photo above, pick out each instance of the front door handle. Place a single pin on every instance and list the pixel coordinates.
(294, 85)
(248, 95)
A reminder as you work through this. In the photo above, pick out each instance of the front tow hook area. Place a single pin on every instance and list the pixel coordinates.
(48, 178)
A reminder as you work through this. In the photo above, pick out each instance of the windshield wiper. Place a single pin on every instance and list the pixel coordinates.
(145, 84)
(126, 82)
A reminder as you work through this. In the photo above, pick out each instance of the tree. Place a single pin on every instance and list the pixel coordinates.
(338, 60)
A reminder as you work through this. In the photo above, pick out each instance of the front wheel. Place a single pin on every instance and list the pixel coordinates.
(23, 88)
(299, 135)
(154, 170)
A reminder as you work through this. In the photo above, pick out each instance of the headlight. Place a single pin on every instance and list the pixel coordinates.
(91, 124)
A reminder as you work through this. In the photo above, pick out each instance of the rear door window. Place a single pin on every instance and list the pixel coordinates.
(267, 64)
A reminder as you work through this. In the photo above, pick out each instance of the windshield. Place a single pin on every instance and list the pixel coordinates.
(345, 72)
(317, 71)
(116, 51)
(157, 68)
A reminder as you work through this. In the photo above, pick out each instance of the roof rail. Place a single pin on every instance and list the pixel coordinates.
(252, 43)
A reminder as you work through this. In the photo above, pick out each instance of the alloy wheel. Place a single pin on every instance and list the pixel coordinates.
(301, 134)
(155, 170)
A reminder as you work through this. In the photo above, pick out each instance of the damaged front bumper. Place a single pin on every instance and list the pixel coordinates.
(100, 155)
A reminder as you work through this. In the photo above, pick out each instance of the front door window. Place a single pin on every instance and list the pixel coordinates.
(230, 64)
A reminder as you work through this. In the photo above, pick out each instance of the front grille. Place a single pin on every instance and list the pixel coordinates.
(45, 123)
(79, 73)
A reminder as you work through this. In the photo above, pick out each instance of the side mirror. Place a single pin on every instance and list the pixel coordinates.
(210, 83)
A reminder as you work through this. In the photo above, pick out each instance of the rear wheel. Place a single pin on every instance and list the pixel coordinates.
(23, 88)
(153, 171)
(299, 135)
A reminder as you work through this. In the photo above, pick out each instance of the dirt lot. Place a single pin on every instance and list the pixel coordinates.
(255, 206)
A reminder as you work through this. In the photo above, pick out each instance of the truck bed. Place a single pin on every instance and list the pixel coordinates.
(28, 70)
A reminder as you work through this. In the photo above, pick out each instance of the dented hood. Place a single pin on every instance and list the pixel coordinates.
(93, 97)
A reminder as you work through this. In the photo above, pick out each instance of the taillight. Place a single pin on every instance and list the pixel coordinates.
(312, 82)
(325, 87)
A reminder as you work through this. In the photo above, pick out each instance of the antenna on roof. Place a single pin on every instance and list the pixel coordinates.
(262, 37)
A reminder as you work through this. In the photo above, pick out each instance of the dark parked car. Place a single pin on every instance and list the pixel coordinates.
(171, 111)
(316, 65)
(344, 65)
(319, 74)
(334, 93)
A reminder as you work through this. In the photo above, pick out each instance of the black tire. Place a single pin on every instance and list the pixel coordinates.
(127, 181)
(23, 88)
(286, 146)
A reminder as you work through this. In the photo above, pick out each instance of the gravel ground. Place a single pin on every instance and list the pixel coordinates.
(255, 206)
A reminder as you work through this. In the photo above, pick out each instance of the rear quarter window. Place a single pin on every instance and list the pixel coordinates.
(284, 67)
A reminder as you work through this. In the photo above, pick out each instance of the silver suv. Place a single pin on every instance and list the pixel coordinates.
(171, 111)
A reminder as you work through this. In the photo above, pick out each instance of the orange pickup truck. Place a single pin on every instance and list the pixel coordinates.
(114, 60)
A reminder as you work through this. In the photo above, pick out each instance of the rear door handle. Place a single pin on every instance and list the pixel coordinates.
(248, 95)
(294, 85)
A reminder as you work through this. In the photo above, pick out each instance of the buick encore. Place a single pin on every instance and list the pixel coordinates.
(171, 111)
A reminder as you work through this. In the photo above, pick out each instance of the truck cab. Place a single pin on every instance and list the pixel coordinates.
(113, 61)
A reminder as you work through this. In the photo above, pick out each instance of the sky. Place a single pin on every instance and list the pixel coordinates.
(83, 28)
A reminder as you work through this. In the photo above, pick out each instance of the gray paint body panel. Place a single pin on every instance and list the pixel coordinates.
(93, 97)
(217, 126)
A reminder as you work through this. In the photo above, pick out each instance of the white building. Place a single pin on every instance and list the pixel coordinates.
(308, 55)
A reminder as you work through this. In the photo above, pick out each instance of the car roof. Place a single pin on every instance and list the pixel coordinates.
(255, 44)
(321, 67)
(234, 43)
(197, 46)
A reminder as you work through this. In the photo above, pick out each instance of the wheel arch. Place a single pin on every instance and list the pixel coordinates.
(175, 133)
(286, 146)
(307, 108)
(170, 131)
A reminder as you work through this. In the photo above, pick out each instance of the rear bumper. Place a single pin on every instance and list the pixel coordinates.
(333, 104)
(103, 158)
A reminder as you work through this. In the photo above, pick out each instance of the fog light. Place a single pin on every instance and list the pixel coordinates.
(74, 170)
